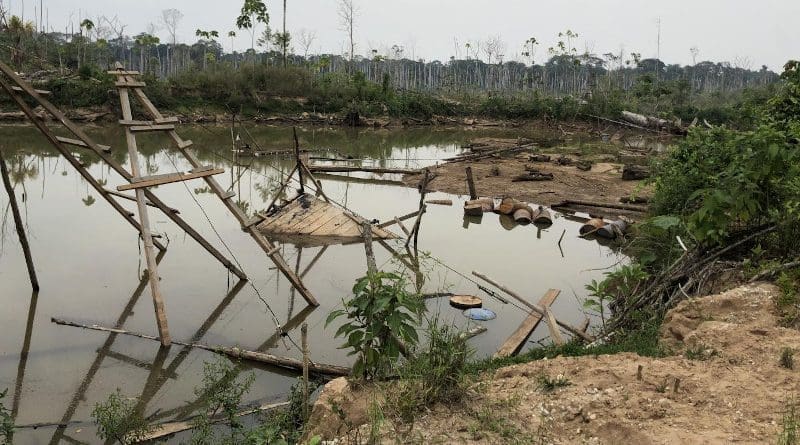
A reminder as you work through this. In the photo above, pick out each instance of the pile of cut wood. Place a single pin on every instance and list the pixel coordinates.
(522, 212)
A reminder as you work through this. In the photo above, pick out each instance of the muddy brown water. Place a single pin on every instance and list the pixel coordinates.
(89, 264)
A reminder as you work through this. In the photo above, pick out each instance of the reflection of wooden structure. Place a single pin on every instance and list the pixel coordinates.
(315, 219)
(127, 84)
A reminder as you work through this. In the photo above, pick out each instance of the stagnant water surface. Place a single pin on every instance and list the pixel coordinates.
(90, 266)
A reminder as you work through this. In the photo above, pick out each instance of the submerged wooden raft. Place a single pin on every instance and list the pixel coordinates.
(313, 221)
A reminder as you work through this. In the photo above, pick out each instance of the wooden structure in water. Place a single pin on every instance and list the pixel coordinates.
(309, 220)
(128, 85)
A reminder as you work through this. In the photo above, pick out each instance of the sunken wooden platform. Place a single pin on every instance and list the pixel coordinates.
(311, 221)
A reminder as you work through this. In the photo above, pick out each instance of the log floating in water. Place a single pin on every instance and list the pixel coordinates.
(606, 205)
(283, 362)
(345, 169)
(506, 206)
(514, 343)
(543, 216)
(441, 202)
(592, 226)
(613, 229)
(477, 330)
(523, 215)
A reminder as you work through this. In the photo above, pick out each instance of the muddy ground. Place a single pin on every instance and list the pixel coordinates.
(494, 176)
(725, 351)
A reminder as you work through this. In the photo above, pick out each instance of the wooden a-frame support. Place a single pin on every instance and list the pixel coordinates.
(126, 81)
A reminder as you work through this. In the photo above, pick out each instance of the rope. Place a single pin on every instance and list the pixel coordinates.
(235, 259)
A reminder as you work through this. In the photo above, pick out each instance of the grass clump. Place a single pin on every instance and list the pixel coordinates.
(788, 303)
(549, 384)
(790, 426)
(6, 421)
(701, 352)
(787, 358)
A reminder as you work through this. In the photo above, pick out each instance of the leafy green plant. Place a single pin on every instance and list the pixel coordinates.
(617, 284)
(381, 320)
(6, 421)
(788, 302)
(118, 419)
(700, 351)
(221, 394)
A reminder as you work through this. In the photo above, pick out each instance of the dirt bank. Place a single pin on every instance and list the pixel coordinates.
(725, 352)
(494, 176)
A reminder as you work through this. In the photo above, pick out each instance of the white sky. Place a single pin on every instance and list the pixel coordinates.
(763, 31)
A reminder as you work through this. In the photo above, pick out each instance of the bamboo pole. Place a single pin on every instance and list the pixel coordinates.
(23, 239)
(269, 359)
(573, 330)
(304, 334)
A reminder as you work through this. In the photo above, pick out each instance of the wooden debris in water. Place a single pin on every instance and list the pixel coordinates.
(308, 216)
(261, 357)
(441, 202)
(465, 301)
(572, 329)
(514, 343)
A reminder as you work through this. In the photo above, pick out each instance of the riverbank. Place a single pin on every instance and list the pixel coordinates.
(720, 351)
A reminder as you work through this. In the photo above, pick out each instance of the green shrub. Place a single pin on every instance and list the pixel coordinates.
(790, 425)
(221, 394)
(381, 319)
(6, 421)
(119, 420)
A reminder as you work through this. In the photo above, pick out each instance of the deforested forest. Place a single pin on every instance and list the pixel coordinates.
(367, 222)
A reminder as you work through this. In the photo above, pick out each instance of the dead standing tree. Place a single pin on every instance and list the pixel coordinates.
(348, 11)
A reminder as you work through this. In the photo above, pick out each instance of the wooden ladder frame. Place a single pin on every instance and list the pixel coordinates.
(126, 80)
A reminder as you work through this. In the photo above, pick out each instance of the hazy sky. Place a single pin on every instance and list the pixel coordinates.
(761, 31)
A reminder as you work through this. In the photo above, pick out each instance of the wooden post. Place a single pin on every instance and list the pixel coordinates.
(304, 333)
(23, 239)
(366, 231)
(144, 218)
(639, 372)
(473, 194)
(298, 160)
(422, 207)
(555, 334)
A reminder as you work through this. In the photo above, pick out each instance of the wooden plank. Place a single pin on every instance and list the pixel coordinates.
(536, 308)
(184, 144)
(124, 73)
(177, 177)
(130, 84)
(514, 343)
(402, 218)
(203, 168)
(310, 214)
(132, 198)
(325, 215)
(331, 227)
(283, 217)
(329, 216)
(40, 92)
(252, 221)
(552, 325)
(585, 325)
(131, 123)
(152, 128)
(168, 120)
(79, 143)
(228, 195)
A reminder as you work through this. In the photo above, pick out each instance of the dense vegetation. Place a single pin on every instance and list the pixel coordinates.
(273, 77)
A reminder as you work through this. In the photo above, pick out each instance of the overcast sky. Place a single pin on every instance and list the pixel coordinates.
(758, 31)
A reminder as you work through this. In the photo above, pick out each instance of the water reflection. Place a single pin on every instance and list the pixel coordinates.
(90, 260)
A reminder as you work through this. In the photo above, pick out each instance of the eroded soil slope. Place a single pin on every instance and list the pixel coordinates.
(725, 352)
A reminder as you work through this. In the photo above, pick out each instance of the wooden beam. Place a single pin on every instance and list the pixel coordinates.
(140, 129)
(79, 143)
(23, 238)
(123, 73)
(385, 224)
(552, 325)
(572, 329)
(342, 169)
(132, 123)
(132, 198)
(260, 357)
(514, 343)
(144, 218)
(147, 181)
(42, 92)
(129, 84)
